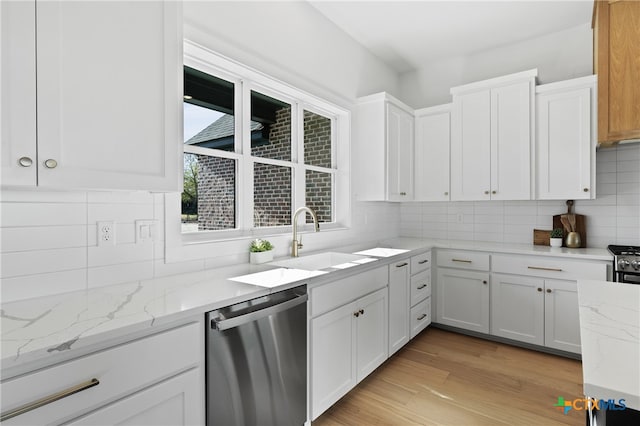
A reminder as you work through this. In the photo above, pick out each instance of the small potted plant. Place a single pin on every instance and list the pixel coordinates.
(260, 251)
(556, 237)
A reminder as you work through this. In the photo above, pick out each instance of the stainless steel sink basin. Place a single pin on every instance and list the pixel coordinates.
(315, 262)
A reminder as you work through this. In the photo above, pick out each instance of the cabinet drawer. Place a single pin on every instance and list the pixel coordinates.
(549, 267)
(120, 371)
(420, 286)
(420, 262)
(329, 296)
(463, 260)
(420, 317)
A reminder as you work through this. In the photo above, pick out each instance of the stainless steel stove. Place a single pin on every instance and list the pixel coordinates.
(626, 263)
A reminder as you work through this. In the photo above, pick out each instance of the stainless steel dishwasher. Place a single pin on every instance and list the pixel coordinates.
(256, 363)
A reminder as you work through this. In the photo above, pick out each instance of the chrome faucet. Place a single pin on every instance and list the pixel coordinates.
(295, 244)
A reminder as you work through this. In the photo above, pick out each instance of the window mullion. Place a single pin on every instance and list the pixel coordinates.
(247, 163)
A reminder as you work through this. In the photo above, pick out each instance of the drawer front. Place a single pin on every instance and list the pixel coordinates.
(337, 293)
(420, 317)
(472, 260)
(420, 286)
(549, 267)
(420, 262)
(120, 371)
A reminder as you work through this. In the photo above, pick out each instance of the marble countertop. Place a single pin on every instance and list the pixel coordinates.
(610, 335)
(48, 328)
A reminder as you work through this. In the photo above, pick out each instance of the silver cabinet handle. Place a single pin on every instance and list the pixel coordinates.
(539, 289)
(548, 290)
(400, 265)
(422, 262)
(461, 260)
(49, 399)
(540, 268)
(486, 192)
(494, 192)
(586, 189)
(446, 193)
(422, 286)
(421, 317)
(51, 163)
(403, 193)
(25, 161)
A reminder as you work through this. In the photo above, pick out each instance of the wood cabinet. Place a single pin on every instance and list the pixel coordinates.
(616, 61)
(125, 387)
(383, 149)
(463, 293)
(348, 343)
(566, 143)
(491, 138)
(399, 305)
(107, 110)
(431, 160)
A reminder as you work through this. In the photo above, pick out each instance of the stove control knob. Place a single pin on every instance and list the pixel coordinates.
(623, 263)
(635, 264)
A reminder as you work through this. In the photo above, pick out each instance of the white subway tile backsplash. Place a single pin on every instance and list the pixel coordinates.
(42, 237)
(28, 286)
(122, 273)
(119, 212)
(9, 195)
(118, 254)
(43, 214)
(40, 261)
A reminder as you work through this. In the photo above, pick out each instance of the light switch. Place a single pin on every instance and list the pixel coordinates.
(145, 230)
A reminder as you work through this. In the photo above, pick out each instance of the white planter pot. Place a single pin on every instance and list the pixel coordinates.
(555, 242)
(261, 256)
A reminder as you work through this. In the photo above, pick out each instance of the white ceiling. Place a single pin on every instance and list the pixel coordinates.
(408, 35)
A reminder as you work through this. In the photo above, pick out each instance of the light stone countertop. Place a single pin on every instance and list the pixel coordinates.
(610, 335)
(44, 330)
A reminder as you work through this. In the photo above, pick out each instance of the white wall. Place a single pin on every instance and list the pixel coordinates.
(559, 56)
(49, 242)
(612, 218)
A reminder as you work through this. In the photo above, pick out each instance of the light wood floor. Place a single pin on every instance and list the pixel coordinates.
(444, 378)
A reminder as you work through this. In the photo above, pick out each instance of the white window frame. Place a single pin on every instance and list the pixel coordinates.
(181, 246)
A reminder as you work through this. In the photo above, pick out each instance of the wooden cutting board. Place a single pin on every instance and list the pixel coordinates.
(581, 228)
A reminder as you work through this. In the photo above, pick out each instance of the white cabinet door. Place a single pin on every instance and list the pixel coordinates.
(371, 348)
(470, 147)
(566, 142)
(517, 308)
(431, 162)
(511, 121)
(109, 95)
(420, 317)
(562, 322)
(399, 154)
(18, 93)
(463, 299)
(399, 305)
(333, 360)
(176, 401)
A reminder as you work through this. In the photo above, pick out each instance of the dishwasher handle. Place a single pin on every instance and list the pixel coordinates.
(225, 324)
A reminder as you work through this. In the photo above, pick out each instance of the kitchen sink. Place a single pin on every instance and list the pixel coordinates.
(315, 262)
(276, 277)
(381, 252)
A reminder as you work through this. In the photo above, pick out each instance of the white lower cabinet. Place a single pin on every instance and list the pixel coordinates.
(348, 343)
(463, 293)
(561, 318)
(152, 380)
(399, 299)
(172, 402)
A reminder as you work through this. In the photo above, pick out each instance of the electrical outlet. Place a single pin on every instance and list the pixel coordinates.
(106, 233)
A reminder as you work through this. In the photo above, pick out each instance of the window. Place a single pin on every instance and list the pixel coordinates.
(253, 153)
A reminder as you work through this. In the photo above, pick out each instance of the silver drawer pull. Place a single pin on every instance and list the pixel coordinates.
(422, 286)
(49, 399)
(400, 265)
(461, 260)
(422, 262)
(421, 317)
(540, 268)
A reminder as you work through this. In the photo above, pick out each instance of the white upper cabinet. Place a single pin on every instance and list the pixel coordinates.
(431, 160)
(383, 148)
(491, 138)
(108, 102)
(566, 139)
